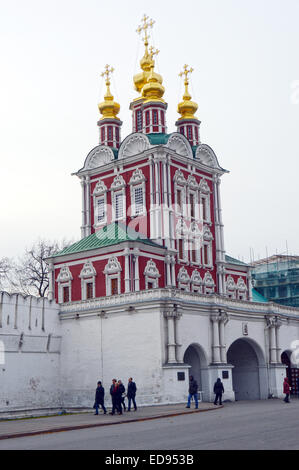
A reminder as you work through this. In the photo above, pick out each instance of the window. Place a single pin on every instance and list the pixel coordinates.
(138, 200)
(100, 217)
(119, 206)
(89, 290)
(110, 133)
(204, 208)
(162, 118)
(138, 120)
(181, 248)
(117, 134)
(147, 118)
(150, 285)
(155, 116)
(192, 211)
(114, 286)
(179, 200)
(66, 294)
(196, 133)
(205, 254)
(193, 251)
(189, 132)
(103, 134)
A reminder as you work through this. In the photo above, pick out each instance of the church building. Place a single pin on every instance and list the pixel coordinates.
(149, 292)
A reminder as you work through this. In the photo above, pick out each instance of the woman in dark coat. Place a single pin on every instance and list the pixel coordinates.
(99, 399)
(218, 390)
(286, 390)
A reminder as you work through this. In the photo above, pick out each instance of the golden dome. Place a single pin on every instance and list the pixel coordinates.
(108, 108)
(153, 90)
(187, 108)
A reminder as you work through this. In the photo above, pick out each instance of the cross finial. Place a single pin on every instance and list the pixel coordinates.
(107, 73)
(153, 51)
(186, 72)
(147, 23)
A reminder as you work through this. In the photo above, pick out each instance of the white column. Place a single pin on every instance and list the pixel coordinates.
(83, 208)
(157, 201)
(272, 339)
(127, 271)
(220, 219)
(179, 351)
(168, 273)
(87, 199)
(171, 340)
(215, 336)
(137, 279)
(223, 319)
(152, 201)
(173, 271)
(51, 283)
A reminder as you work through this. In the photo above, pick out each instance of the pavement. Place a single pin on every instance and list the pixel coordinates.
(13, 428)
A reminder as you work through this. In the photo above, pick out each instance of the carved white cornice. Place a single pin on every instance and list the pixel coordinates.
(100, 188)
(88, 270)
(113, 266)
(151, 269)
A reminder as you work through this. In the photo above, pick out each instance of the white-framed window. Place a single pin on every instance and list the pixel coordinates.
(87, 276)
(208, 283)
(137, 185)
(183, 280)
(152, 275)
(100, 203)
(230, 288)
(241, 289)
(179, 192)
(64, 280)
(119, 205)
(196, 282)
(182, 241)
(205, 208)
(118, 197)
(112, 273)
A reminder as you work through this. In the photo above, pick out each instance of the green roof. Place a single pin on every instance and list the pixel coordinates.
(109, 235)
(257, 297)
(229, 259)
(158, 138)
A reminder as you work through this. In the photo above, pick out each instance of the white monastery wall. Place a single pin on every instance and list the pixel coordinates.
(29, 353)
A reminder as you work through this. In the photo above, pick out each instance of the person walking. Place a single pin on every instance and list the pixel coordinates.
(122, 394)
(131, 393)
(99, 398)
(114, 392)
(218, 390)
(193, 387)
(286, 390)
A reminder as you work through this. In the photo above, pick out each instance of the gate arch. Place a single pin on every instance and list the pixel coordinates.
(195, 357)
(249, 375)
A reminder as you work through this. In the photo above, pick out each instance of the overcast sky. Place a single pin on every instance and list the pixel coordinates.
(245, 81)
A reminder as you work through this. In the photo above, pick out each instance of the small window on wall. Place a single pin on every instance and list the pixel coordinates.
(119, 206)
(138, 200)
(162, 118)
(205, 254)
(179, 201)
(196, 133)
(181, 248)
(155, 116)
(189, 132)
(150, 285)
(110, 133)
(147, 118)
(66, 294)
(193, 251)
(117, 134)
(181, 130)
(192, 205)
(101, 209)
(138, 120)
(103, 134)
(89, 290)
(114, 286)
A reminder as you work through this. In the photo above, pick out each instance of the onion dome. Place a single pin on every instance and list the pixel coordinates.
(108, 108)
(187, 108)
(153, 90)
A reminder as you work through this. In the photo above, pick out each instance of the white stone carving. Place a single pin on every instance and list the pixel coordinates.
(207, 235)
(179, 144)
(134, 144)
(137, 177)
(181, 228)
(208, 280)
(192, 183)
(88, 270)
(118, 182)
(113, 266)
(203, 186)
(151, 269)
(207, 156)
(183, 276)
(196, 278)
(100, 188)
(230, 284)
(99, 156)
(241, 284)
(179, 178)
(64, 275)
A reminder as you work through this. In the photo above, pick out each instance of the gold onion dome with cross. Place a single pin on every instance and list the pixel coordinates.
(108, 108)
(187, 108)
(147, 62)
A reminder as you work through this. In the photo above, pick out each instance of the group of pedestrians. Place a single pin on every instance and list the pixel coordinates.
(118, 395)
(193, 392)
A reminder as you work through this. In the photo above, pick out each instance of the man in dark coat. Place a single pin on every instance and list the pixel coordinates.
(218, 390)
(193, 387)
(99, 398)
(114, 392)
(131, 393)
(122, 394)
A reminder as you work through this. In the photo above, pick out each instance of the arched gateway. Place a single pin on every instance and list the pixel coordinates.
(249, 373)
(196, 358)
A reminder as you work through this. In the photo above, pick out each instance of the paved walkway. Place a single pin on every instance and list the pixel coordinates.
(33, 426)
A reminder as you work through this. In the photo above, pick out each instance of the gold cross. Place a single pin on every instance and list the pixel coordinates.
(147, 23)
(153, 52)
(186, 72)
(107, 72)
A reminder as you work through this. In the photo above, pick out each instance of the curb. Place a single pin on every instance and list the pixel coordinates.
(95, 425)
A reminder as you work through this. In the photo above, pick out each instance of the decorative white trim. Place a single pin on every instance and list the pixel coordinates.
(183, 279)
(196, 282)
(118, 182)
(99, 156)
(134, 144)
(100, 188)
(151, 274)
(112, 271)
(206, 156)
(209, 284)
(137, 181)
(113, 266)
(203, 186)
(64, 279)
(137, 177)
(180, 145)
(179, 178)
